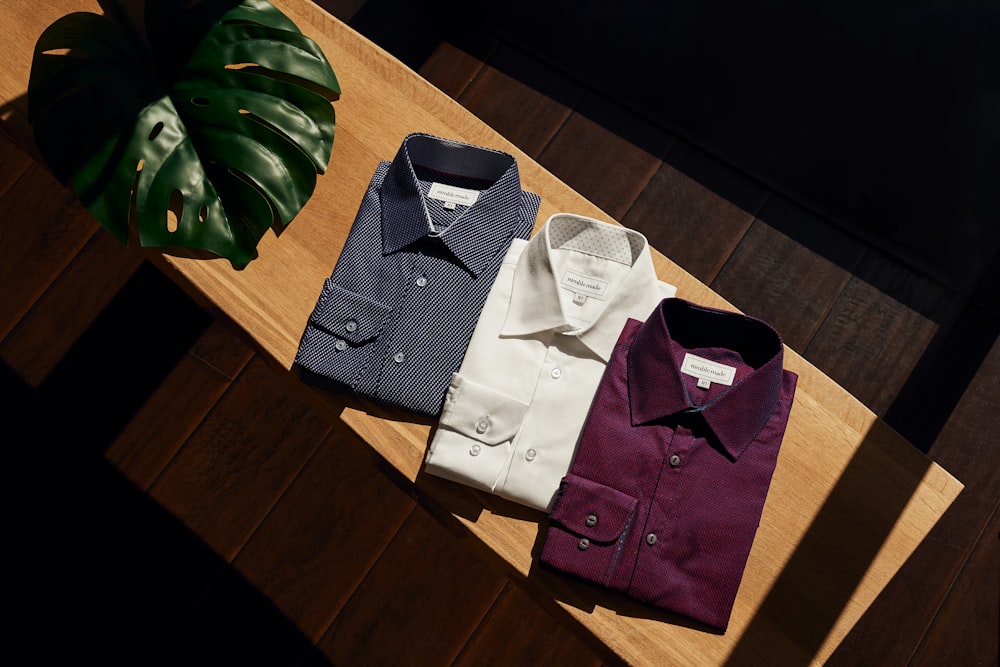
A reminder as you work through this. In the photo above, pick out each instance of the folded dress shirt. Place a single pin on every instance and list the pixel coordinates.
(393, 320)
(514, 410)
(663, 499)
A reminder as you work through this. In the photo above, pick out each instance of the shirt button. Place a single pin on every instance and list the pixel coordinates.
(474, 450)
(421, 281)
(592, 520)
(675, 461)
(651, 539)
(351, 326)
(340, 345)
(530, 455)
(482, 426)
(583, 544)
(556, 373)
(399, 357)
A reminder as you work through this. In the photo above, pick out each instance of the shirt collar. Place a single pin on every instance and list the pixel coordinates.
(483, 230)
(655, 387)
(535, 305)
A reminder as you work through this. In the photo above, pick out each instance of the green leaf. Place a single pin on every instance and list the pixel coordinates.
(206, 129)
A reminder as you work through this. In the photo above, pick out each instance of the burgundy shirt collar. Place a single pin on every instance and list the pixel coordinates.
(655, 385)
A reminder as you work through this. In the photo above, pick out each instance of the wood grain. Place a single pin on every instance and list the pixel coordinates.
(44, 228)
(964, 634)
(68, 307)
(451, 69)
(858, 343)
(228, 475)
(782, 282)
(603, 165)
(425, 573)
(325, 532)
(179, 405)
(835, 446)
(526, 117)
(14, 160)
(967, 446)
(517, 632)
(686, 221)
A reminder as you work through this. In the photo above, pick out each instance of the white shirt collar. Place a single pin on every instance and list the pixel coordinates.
(535, 305)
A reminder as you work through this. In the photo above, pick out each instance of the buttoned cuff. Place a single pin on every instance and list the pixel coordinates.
(348, 315)
(589, 522)
(481, 413)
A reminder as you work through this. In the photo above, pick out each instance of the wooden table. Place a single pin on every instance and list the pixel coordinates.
(850, 499)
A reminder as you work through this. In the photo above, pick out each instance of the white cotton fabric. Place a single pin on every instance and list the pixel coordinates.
(514, 411)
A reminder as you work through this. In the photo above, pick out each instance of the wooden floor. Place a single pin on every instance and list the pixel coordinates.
(174, 503)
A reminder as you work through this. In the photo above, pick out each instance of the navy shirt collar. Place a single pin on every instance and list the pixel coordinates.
(657, 390)
(482, 230)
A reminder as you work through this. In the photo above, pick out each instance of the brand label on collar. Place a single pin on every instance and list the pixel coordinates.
(582, 285)
(707, 371)
(449, 194)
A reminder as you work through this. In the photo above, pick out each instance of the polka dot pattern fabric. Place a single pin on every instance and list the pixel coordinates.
(393, 320)
(585, 235)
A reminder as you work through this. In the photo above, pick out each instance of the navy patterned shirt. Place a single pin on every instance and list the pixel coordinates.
(394, 319)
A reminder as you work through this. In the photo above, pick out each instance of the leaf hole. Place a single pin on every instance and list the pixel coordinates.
(203, 214)
(241, 65)
(200, 101)
(155, 132)
(175, 210)
(139, 164)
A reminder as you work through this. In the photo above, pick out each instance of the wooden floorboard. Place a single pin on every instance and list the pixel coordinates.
(182, 401)
(677, 207)
(325, 533)
(421, 601)
(239, 461)
(222, 516)
(904, 615)
(44, 228)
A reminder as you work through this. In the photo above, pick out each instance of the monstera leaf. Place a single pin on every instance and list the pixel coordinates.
(203, 130)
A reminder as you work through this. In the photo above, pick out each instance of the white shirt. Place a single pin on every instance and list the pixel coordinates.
(514, 411)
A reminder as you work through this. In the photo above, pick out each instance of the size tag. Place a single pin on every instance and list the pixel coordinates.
(451, 195)
(582, 285)
(707, 371)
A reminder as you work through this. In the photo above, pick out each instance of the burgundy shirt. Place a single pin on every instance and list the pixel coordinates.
(666, 489)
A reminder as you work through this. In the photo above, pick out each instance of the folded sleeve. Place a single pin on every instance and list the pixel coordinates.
(588, 525)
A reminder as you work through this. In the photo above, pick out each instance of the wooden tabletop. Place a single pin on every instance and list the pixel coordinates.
(850, 499)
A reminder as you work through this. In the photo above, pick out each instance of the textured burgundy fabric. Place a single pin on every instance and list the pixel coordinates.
(665, 493)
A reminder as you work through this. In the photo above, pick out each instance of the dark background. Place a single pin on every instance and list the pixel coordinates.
(882, 117)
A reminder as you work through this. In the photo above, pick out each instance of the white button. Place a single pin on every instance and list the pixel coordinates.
(556, 373)
(351, 326)
(651, 539)
(482, 425)
(399, 357)
(340, 345)
(474, 450)
(530, 455)
(421, 281)
(675, 461)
